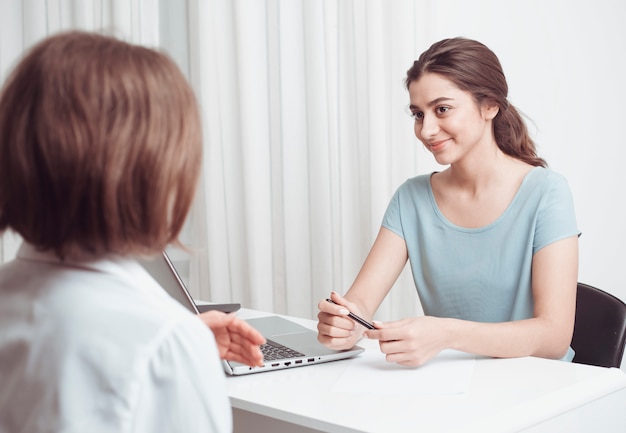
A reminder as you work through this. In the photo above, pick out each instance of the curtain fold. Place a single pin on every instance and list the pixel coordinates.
(303, 104)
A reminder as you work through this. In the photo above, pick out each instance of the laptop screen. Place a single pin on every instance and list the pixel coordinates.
(162, 270)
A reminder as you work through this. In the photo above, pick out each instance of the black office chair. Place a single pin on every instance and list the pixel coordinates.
(599, 329)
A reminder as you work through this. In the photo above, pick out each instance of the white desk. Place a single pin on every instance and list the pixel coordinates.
(505, 395)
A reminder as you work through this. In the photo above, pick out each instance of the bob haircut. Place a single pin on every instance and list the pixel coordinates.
(475, 69)
(100, 147)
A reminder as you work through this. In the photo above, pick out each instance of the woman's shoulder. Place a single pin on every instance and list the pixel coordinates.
(421, 181)
(75, 301)
(544, 189)
(546, 178)
(414, 189)
(541, 172)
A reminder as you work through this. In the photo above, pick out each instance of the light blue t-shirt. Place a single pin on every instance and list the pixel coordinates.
(481, 274)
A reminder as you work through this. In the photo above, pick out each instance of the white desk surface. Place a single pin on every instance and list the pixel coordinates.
(505, 395)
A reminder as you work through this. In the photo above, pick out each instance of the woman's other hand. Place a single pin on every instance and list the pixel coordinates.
(411, 342)
(236, 339)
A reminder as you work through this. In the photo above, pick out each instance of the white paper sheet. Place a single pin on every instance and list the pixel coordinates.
(450, 372)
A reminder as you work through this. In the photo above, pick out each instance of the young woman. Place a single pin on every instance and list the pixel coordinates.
(100, 147)
(492, 240)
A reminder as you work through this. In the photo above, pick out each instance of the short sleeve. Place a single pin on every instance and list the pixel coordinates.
(182, 386)
(391, 219)
(556, 217)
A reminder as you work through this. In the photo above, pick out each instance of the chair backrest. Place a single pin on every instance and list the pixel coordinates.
(599, 329)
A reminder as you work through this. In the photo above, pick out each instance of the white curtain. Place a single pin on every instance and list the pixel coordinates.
(306, 135)
(306, 139)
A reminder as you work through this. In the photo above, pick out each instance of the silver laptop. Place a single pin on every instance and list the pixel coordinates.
(289, 344)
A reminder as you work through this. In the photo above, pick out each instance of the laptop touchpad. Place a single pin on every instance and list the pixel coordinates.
(271, 326)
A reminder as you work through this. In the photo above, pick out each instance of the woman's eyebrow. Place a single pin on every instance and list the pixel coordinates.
(431, 103)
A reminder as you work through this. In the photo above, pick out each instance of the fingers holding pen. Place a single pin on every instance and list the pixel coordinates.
(334, 323)
(334, 312)
(335, 329)
(336, 304)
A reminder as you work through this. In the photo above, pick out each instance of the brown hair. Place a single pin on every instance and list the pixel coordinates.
(100, 147)
(474, 68)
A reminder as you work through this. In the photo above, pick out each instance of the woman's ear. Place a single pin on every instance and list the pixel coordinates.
(490, 110)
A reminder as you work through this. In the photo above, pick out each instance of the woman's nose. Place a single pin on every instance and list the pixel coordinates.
(428, 128)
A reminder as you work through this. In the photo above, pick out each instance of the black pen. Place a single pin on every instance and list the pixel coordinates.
(356, 318)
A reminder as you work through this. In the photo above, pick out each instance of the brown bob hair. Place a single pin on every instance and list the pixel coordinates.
(474, 68)
(100, 147)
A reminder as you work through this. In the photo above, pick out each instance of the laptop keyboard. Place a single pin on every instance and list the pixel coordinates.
(272, 350)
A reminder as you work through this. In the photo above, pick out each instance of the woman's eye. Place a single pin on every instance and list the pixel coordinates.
(417, 115)
(442, 110)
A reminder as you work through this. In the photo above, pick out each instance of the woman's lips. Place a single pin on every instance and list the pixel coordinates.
(437, 145)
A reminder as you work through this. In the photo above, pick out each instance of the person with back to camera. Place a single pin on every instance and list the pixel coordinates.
(100, 150)
(492, 240)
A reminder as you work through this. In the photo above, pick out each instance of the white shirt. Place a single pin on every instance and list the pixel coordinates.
(98, 346)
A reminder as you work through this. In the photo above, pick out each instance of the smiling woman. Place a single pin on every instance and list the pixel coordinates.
(481, 79)
(492, 239)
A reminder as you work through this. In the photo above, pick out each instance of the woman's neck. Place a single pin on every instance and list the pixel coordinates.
(482, 172)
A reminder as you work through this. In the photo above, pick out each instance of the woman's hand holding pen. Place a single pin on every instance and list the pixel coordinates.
(409, 342)
(335, 329)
